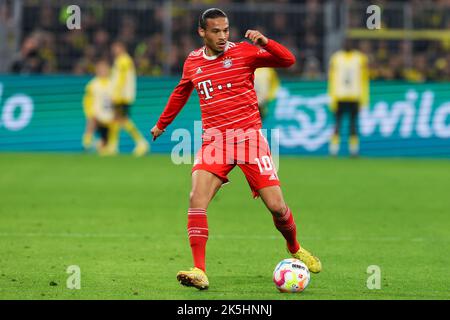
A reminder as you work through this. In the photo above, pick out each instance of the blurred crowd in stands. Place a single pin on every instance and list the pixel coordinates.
(48, 47)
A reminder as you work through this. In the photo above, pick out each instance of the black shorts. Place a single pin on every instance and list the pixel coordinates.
(103, 132)
(122, 110)
(351, 107)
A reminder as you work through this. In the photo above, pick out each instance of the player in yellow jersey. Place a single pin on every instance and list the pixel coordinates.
(348, 88)
(123, 96)
(97, 107)
(266, 86)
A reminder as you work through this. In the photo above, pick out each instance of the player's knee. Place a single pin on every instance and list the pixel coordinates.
(277, 207)
(197, 200)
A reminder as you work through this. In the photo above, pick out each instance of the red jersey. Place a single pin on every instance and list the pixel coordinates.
(225, 85)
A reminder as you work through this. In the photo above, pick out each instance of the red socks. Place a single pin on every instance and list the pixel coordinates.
(198, 235)
(286, 225)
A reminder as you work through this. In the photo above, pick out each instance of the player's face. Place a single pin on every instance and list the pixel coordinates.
(216, 34)
(116, 49)
(102, 70)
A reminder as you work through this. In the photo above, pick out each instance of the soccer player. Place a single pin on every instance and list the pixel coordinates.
(222, 72)
(348, 87)
(123, 96)
(266, 86)
(97, 107)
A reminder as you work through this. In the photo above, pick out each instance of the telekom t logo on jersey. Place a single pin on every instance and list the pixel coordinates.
(206, 87)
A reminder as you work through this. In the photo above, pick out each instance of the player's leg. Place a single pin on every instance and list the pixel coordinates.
(88, 136)
(103, 133)
(335, 138)
(204, 186)
(103, 147)
(262, 177)
(142, 146)
(283, 219)
(354, 140)
(281, 214)
(114, 131)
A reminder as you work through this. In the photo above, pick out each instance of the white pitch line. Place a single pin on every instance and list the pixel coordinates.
(216, 236)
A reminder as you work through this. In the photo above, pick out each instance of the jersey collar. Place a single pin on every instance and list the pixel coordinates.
(217, 55)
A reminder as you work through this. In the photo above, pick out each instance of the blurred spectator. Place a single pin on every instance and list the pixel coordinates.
(101, 42)
(418, 72)
(28, 60)
(7, 35)
(87, 62)
(311, 70)
(149, 56)
(127, 32)
(141, 26)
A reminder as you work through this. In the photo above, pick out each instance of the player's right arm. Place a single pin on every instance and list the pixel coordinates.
(88, 101)
(177, 100)
(269, 54)
(331, 83)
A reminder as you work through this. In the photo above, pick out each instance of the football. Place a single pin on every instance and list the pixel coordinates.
(291, 275)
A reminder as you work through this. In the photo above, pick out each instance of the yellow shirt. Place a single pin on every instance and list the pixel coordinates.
(123, 78)
(97, 100)
(348, 78)
(266, 84)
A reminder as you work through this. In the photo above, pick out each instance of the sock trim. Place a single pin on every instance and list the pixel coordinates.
(286, 216)
(197, 210)
(196, 228)
(197, 235)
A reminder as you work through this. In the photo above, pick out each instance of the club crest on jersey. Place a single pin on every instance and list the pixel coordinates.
(227, 63)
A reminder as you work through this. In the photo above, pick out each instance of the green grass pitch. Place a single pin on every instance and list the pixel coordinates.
(123, 220)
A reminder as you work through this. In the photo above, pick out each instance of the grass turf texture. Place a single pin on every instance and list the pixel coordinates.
(123, 221)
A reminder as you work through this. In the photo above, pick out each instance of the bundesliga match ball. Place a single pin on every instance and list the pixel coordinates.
(291, 275)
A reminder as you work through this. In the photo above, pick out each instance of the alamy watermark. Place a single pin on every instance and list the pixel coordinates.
(73, 20)
(373, 22)
(232, 146)
(74, 280)
(374, 280)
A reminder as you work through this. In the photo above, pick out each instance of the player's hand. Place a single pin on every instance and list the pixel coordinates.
(156, 132)
(256, 37)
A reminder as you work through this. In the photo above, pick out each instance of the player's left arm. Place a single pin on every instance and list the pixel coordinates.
(122, 68)
(272, 53)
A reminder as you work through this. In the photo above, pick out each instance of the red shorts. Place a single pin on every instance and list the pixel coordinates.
(251, 155)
